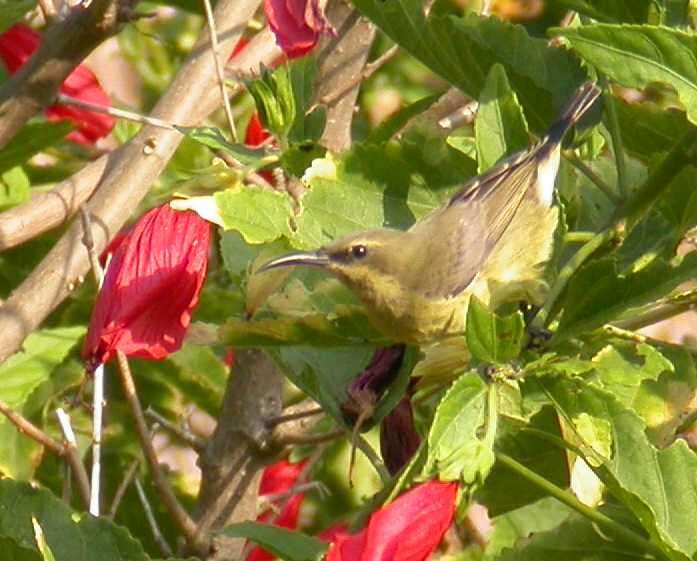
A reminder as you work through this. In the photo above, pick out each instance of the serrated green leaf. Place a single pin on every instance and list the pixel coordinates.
(455, 449)
(287, 544)
(462, 50)
(490, 337)
(71, 537)
(23, 374)
(598, 294)
(259, 215)
(658, 486)
(500, 128)
(637, 55)
(30, 140)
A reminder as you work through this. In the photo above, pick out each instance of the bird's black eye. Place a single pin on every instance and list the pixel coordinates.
(359, 251)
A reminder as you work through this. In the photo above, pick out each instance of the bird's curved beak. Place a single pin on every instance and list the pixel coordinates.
(306, 259)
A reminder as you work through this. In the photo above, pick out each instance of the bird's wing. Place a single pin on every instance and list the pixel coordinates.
(461, 236)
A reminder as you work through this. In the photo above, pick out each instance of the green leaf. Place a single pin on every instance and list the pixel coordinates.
(648, 129)
(14, 187)
(598, 293)
(283, 543)
(462, 50)
(493, 338)
(656, 485)
(576, 539)
(302, 77)
(70, 536)
(623, 11)
(260, 215)
(500, 128)
(23, 374)
(30, 140)
(251, 158)
(637, 55)
(455, 449)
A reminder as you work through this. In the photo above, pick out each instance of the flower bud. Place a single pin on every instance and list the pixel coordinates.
(398, 437)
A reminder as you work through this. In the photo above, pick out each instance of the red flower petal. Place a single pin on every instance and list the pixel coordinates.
(408, 529)
(254, 136)
(347, 547)
(278, 478)
(151, 287)
(411, 527)
(294, 34)
(334, 532)
(18, 44)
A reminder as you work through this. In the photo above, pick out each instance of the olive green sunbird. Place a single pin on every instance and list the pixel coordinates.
(493, 239)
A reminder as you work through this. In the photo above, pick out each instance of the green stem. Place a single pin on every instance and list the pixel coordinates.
(364, 446)
(668, 308)
(594, 178)
(616, 137)
(493, 416)
(572, 265)
(579, 237)
(623, 533)
(661, 177)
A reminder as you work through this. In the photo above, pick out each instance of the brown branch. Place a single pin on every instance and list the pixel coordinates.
(196, 442)
(64, 45)
(123, 486)
(25, 426)
(180, 518)
(241, 446)
(123, 186)
(340, 66)
(46, 211)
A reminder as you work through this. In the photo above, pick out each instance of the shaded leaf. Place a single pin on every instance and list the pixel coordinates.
(30, 140)
(490, 337)
(462, 50)
(251, 158)
(283, 543)
(637, 55)
(395, 123)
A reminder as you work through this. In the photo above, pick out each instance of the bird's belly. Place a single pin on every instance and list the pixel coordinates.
(423, 320)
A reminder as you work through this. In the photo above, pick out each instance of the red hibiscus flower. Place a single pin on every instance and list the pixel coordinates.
(150, 288)
(278, 479)
(408, 529)
(297, 24)
(18, 44)
(255, 135)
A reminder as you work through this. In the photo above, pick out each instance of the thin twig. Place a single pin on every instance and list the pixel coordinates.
(48, 9)
(219, 68)
(165, 549)
(97, 420)
(25, 426)
(88, 242)
(368, 70)
(115, 112)
(293, 416)
(180, 517)
(586, 170)
(72, 455)
(363, 445)
(123, 487)
(300, 439)
(196, 442)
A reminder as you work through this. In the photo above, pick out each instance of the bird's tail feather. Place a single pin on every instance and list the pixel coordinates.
(582, 101)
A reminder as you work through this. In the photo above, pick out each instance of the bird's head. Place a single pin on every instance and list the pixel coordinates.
(363, 261)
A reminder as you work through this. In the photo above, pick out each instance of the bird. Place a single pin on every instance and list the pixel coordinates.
(492, 239)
